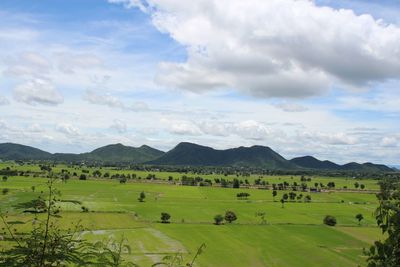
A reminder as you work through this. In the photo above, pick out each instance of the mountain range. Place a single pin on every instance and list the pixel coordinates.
(187, 154)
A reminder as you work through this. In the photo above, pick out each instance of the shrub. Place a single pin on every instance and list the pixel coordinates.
(330, 220)
(165, 217)
(230, 216)
(218, 219)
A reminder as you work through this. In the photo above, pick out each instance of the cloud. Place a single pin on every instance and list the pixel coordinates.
(69, 63)
(35, 128)
(113, 102)
(28, 64)
(102, 99)
(67, 129)
(4, 101)
(37, 91)
(291, 107)
(120, 126)
(328, 138)
(389, 142)
(275, 48)
(130, 4)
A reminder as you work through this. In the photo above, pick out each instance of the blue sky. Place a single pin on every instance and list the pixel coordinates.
(302, 77)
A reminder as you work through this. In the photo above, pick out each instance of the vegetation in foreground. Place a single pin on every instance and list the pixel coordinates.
(114, 210)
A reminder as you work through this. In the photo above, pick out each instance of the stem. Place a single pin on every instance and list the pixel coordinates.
(46, 233)
(9, 230)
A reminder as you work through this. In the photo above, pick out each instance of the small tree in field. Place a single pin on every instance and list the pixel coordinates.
(359, 217)
(283, 203)
(218, 219)
(330, 220)
(274, 193)
(165, 217)
(230, 216)
(142, 196)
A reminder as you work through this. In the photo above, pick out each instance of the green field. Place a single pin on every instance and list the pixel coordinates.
(293, 235)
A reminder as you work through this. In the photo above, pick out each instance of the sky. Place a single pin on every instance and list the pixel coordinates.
(303, 77)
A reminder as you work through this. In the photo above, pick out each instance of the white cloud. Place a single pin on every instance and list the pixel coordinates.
(102, 99)
(275, 48)
(120, 126)
(68, 129)
(4, 101)
(291, 107)
(28, 64)
(35, 128)
(338, 138)
(389, 142)
(38, 91)
(69, 63)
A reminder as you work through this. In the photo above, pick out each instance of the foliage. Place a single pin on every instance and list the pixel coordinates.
(48, 245)
(142, 196)
(330, 220)
(387, 252)
(230, 216)
(218, 219)
(359, 217)
(165, 217)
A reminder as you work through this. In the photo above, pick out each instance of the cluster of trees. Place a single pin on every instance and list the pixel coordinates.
(229, 217)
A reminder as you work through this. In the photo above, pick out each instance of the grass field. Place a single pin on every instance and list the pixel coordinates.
(293, 235)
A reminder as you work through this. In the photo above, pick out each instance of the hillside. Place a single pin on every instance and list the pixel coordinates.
(310, 162)
(116, 153)
(10, 151)
(188, 154)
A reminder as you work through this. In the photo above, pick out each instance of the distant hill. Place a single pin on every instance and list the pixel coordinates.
(188, 154)
(10, 151)
(365, 167)
(116, 153)
(310, 162)
(313, 163)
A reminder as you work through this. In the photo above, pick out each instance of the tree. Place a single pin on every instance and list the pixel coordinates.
(359, 217)
(307, 198)
(330, 220)
(230, 216)
(283, 202)
(5, 178)
(236, 183)
(5, 191)
(142, 196)
(165, 217)
(218, 219)
(362, 186)
(356, 185)
(242, 195)
(274, 193)
(82, 177)
(387, 252)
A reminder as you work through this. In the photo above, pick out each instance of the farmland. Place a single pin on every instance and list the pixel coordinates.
(291, 234)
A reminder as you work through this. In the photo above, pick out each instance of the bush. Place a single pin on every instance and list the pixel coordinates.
(218, 219)
(165, 217)
(330, 220)
(230, 216)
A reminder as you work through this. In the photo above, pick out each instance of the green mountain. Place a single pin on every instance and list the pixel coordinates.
(366, 167)
(10, 151)
(117, 153)
(188, 154)
(121, 153)
(310, 162)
